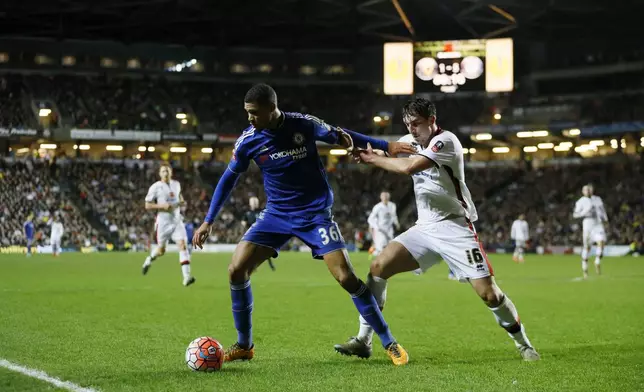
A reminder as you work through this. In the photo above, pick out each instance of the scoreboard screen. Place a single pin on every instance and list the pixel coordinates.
(450, 66)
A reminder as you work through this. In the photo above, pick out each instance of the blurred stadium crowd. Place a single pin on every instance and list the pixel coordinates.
(102, 202)
(103, 102)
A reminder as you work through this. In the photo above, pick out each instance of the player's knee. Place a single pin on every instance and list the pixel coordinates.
(160, 251)
(236, 273)
(376, 269)
(348, 280)
(491, 297)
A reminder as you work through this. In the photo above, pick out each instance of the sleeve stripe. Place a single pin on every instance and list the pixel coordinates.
(228, 168)
(244, 135)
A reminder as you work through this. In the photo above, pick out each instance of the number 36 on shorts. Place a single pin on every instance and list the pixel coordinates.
(332, 233)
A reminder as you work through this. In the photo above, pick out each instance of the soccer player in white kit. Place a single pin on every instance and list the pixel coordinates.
(57, 231)
(381, 221)
(444, 228)
(165, 197)
(520, 233)
(591, 209)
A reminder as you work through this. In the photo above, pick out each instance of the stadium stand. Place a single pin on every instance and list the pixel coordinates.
(110, 195)
(547, 197)
(103, 200)
(31, 188)
(102, 102)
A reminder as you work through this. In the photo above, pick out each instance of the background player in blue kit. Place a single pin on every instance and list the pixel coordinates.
(30, 232)
(190, 229)
(299, 201)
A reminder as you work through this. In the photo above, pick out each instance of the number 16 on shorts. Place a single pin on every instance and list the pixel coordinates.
(474, 256)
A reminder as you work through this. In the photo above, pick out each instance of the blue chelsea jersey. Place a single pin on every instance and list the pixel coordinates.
(295, 180)
(29, 229)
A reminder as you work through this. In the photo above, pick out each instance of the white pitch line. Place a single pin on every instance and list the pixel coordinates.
(40, 375)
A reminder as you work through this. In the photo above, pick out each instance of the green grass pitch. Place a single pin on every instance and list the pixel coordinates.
(94, 320)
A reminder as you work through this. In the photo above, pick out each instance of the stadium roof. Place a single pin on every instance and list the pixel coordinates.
(319, 23)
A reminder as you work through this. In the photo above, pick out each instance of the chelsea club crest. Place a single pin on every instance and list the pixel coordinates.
(298, 138)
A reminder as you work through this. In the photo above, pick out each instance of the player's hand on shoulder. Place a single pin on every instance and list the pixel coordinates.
(201, 235)
(396, 148)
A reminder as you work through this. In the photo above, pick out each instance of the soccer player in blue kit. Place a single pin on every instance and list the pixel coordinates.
(190, 229)
(30, 231)
(283, 145)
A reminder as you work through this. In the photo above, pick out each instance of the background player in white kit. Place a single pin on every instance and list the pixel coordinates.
(443, 230)
(381, 221)
(57, 231)
(520, 233)
(591, 209)
(165, 197)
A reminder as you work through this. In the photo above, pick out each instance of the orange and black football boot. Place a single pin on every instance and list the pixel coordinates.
(397, 354)
(238, 353)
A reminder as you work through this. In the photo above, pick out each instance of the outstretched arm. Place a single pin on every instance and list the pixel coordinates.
(410, 165)
(361, 141)
(222, 192)
(350, 139)
(392, 148)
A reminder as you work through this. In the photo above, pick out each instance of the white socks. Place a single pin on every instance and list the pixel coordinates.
(152, 257)
(184, 258)
(508, 318)
(584, 260)
(378, 287)
(598, 256)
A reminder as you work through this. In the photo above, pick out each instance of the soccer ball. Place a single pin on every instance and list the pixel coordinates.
(205, 354)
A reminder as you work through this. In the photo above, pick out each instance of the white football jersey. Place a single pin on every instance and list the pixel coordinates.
(600, 210)
(591, 210)
(383, 217)
(161, 192)
(57, 229)
(441, 191)
(520, 230)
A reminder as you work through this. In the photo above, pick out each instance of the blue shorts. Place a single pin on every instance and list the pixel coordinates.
(317, 230)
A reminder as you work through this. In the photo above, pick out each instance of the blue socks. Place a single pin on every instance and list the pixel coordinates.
(242, 298)
(368, 308)
(242, 301)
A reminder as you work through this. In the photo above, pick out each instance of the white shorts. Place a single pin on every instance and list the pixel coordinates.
(55, 241)
(175, 232)
(454, 241)
(520, 244)
(594, 234)
(380, 240)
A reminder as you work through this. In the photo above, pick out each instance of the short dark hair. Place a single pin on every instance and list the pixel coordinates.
(261, 94)
(420, 107)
